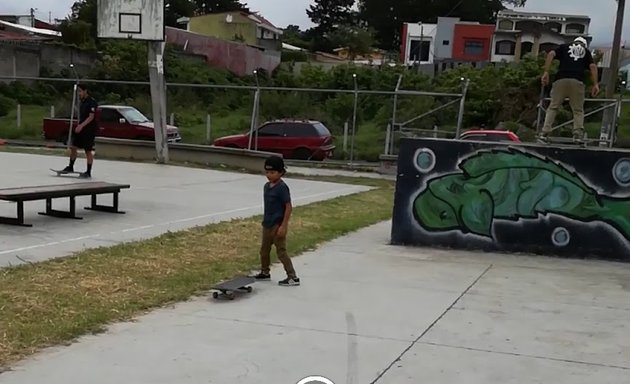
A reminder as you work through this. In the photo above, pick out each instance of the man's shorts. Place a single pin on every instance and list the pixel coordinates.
(84, 139)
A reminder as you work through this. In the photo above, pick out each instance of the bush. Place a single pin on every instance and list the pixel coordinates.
(6, 105)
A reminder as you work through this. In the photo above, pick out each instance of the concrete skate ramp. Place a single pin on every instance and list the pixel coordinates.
(566, 201)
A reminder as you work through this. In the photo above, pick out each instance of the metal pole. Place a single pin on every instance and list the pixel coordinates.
(18, 121)
(390, 148)
(354, 116)
(239, 87)
(74, 105)
(158, 98)
(460, 117)
(252, 127)
(387, 138)
(208, 129)
(345, 137)
(611, 83)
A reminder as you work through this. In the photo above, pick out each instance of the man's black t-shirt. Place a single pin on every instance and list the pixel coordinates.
(88, 106)
(574, 59)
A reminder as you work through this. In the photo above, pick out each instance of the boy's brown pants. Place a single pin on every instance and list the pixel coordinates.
(269, 238)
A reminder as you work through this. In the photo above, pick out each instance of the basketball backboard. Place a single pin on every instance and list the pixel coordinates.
(131, 19)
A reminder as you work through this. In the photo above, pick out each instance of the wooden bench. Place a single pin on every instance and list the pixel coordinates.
(50, 192)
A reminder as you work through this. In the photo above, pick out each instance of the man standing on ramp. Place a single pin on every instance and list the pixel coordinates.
(575, 59)
(84, 133)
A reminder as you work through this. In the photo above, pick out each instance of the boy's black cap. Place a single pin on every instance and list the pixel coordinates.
(275, 163)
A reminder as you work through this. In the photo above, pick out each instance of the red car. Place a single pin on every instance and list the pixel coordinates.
(490, 135)
(293, 139)
(114, 121)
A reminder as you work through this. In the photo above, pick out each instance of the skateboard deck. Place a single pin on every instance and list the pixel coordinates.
(569, 141)
(60, 172)
(228, 288)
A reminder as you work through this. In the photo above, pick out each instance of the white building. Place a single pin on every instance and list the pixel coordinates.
(520, 33)
(418, 45)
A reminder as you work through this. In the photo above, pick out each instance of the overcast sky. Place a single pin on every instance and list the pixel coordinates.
(285, 12)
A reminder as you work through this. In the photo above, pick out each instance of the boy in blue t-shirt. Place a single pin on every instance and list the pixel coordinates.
(278, 208)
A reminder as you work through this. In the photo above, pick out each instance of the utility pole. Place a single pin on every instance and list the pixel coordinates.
(613, 75)
(32, 18)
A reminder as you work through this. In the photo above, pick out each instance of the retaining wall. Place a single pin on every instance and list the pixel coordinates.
(121, 149)
(546, 200)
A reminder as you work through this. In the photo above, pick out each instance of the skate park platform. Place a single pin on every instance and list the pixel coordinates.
(541, 199)
(161, 198)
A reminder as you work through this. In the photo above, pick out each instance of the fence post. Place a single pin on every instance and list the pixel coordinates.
(172, 122)
(345, 136)
(462, 102)
(208, 129)
(19, 115)
(390, 148)
(254, 114)
(354, 115)
(52, 111)
(387, 138)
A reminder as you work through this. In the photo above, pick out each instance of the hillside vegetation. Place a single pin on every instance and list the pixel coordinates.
(501, 94)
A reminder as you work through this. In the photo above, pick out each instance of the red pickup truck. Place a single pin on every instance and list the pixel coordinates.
(114, 121)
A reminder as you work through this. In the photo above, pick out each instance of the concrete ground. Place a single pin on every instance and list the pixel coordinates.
(372, 313)
(161, 199)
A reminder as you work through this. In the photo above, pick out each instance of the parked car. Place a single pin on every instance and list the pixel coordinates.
(114, 121)
(293, 139)
(490, 135)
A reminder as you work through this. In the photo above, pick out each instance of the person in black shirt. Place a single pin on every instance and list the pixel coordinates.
(85, 132)
(575, 59)
(277, 211)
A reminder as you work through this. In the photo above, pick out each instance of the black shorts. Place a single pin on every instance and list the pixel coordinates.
(84, 139)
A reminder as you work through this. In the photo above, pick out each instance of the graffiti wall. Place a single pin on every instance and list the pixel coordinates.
(546, 200)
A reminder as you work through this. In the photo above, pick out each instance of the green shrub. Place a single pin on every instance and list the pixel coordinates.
(6, 105)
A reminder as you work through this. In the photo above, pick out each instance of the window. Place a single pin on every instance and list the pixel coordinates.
(445, 42)
(109, 116)
(474, 137)
(301, 130)
(575, 29)
(133, 115)
(419, 50)
(556, 27)
(473, 48)
(506, 25)
(270, 130)
(505, 47)
(321, 129)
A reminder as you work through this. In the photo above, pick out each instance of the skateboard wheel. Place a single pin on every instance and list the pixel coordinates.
(215, 295)
(249, 289)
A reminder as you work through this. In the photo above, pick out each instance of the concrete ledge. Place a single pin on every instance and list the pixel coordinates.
(185, 153)
(388, 165)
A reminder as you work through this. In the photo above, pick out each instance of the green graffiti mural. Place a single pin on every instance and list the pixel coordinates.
(510, 184)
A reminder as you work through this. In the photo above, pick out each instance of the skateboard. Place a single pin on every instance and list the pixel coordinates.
(569, 141)
(228, 288)
(62, 172)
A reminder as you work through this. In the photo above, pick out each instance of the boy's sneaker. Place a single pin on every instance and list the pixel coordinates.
(68, 169)
(262, 276)
(85, 175)
(289, 282)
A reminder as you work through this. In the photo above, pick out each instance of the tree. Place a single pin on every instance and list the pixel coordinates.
(212, 6)
(357, 40)
(387, 17)
(327, 14)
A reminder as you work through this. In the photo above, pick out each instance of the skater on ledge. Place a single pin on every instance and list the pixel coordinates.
(575, 59)
(85, 133)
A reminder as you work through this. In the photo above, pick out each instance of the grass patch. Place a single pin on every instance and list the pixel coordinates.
(30, 125)
(56, 301)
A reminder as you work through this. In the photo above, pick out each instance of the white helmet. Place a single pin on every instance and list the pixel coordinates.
(581, 40)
